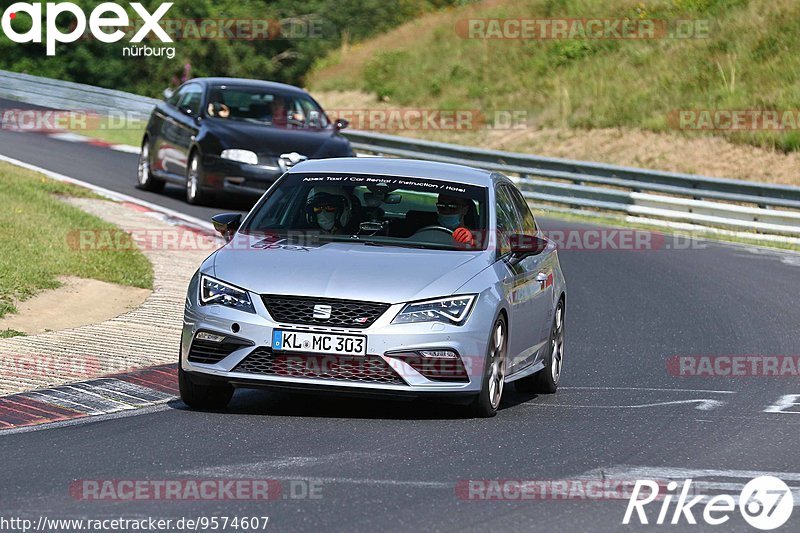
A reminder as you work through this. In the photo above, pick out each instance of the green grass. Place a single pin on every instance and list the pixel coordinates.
(8, 333)
(37, 240)
(747, 62)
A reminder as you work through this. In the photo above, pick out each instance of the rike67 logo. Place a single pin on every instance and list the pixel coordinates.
(765, 503)
(104, 23)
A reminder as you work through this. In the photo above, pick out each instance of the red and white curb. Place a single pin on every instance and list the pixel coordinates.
(77, 138)
(102, 396)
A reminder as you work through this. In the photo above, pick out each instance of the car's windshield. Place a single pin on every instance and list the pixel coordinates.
(263, 106)
(385, 210)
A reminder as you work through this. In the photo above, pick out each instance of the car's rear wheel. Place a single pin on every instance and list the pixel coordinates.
(486, 403)
(202, 396)
(546, 380)
(144, 173)
(194, 181)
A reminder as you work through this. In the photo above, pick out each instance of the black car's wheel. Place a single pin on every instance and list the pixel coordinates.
(486, 403)
(195, 193)
(545, 381)
(202, 396)
(144, 174)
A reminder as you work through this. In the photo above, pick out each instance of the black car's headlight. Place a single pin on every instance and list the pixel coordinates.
(450, 310)
(214, 291)
(242, 156)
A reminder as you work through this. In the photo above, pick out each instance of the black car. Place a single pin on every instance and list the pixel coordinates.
(215, 134)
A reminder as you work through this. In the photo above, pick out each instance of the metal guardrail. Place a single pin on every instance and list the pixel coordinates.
(563, 184)
(59, 94)
(716, 202)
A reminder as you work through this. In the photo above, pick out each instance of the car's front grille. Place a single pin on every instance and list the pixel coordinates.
(360, 369)
(323, 311)
(209, 352)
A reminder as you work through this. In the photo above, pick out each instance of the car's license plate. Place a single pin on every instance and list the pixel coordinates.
(329, 343)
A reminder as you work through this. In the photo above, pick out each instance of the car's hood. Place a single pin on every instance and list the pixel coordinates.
(312, 143)
(343, 270)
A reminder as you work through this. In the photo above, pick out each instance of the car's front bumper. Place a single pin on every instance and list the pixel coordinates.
(384, 340)
(224, 174)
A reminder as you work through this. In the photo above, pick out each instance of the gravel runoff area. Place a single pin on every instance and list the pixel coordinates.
(148, 335)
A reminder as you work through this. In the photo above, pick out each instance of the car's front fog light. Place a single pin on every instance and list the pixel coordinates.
(438, 354)
(211, 337)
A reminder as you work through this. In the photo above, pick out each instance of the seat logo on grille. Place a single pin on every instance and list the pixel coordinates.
(322, 311)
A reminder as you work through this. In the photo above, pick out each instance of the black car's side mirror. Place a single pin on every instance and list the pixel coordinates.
(168, 93)
(227, 224)
(341, 124)
(523, 245)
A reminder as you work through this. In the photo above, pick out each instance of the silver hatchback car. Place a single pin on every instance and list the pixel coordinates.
(378, 276)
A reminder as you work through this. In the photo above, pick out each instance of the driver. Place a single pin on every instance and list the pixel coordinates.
(330, 209)
(451, 211)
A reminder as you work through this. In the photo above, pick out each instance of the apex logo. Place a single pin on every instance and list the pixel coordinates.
(102, 19)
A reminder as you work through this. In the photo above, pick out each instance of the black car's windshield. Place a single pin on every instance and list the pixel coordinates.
(387, 210)
(266, 107)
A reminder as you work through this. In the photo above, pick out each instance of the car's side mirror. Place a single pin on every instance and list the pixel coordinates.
(227, 224)
(341, 124)
(523, 245)
(168, 93)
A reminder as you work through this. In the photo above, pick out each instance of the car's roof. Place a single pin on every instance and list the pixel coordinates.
(245, 82)
(386, 166)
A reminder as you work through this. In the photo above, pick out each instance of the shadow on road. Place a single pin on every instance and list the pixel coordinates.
(269, 403)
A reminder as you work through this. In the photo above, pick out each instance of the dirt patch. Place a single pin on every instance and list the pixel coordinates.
(77, 302)
(709, 156)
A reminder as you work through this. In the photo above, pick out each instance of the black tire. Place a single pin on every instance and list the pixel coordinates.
(144, 174)
(488, 400)
(200, 396)
(546, 380)
(195, 182)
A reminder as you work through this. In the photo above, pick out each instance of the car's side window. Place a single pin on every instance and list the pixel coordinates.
(508, 221)
(189, 99)
(523, 210)
(176, 96)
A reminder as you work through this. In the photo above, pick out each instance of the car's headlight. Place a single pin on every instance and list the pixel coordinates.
(450, 310)
(242, 156)
(214, 291)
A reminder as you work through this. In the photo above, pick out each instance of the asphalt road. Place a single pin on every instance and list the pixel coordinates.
(382, 465)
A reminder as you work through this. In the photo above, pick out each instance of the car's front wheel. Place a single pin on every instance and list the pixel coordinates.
(144, 173)
(486, 403)
(194, 181)
(546, 380)
(202, 396)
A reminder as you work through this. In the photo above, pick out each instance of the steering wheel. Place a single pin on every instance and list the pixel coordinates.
(434, 228)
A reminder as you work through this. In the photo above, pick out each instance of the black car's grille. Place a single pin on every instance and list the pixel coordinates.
(360, 369)
(209, 352)
(343, 313)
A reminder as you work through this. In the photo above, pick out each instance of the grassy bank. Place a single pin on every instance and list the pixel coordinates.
(35, 243)
(746, 62)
